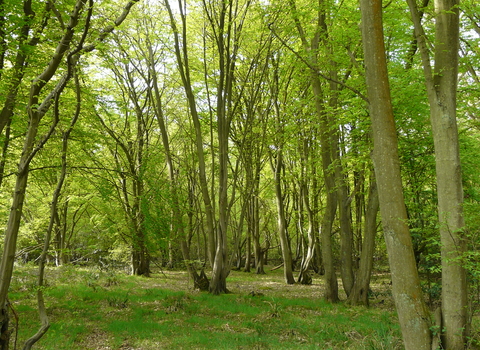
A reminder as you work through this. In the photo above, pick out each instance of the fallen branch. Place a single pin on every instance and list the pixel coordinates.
(276, 267)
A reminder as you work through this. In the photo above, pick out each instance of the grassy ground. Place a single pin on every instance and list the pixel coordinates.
(90, 309)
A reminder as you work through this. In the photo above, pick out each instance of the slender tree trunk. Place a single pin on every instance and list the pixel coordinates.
(141, 254)
(327, 147)
(344, 208)
(177, 215)
(346, 233)
(3, 159)
(248, 252)
(259, 251)
(359, 294)
(412, 311)
(181, 52)
(20, 62)
(53, 213)
(31, 146)
(282, 222)
(303, 276)
(277, 166)
(330, 276)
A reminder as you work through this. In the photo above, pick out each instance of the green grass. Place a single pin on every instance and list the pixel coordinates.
(87, 311)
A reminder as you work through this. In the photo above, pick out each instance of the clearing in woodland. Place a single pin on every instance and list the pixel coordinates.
(94, 309)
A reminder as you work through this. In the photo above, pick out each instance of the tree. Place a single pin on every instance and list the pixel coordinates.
(53, 215)
(412, 311)
(441, 83)
(278, 169)
(130, 132)
(36, 111)
(359, 293)
(183, 66)
(38, 104)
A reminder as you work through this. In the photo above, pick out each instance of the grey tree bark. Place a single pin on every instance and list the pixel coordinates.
(45, 323)
(413, 314)
(359, 293)
(441, 84)
(277, 165)
(181, 53)
(36, 111)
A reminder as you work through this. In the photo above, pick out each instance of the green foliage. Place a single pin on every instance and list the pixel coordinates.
(139, 313)
(109, 162)
(118, 302)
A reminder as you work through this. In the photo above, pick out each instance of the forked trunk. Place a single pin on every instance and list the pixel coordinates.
(303, 276)
(140, 261)
(441, 83)
(359, 294)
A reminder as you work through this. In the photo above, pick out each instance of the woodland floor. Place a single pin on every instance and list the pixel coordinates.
(105, 310)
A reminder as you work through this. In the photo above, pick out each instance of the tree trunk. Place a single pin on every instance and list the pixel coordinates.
(327, 136)
(20, 61)
(255, 210)
(53, 213)
(3, 159)
(359, 294)
(31, 146)
(248, 252)
(181, 53)
(303, 276)
(442, 95)
(10, 243)
(221, 268)
(344, 208)
(412, 311)
(282, 223)
(330, 276)
(346, 233)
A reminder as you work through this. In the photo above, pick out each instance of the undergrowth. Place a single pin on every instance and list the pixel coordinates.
(91, 309)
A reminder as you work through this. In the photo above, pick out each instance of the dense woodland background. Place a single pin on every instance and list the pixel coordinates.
(211, 135)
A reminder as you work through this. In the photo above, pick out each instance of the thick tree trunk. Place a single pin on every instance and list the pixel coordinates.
(221, 269)
(442, 95)
(140, 257)
(412, 311)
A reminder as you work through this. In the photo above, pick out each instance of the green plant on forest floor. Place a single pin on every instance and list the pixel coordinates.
(118, 302)
(155, 313)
